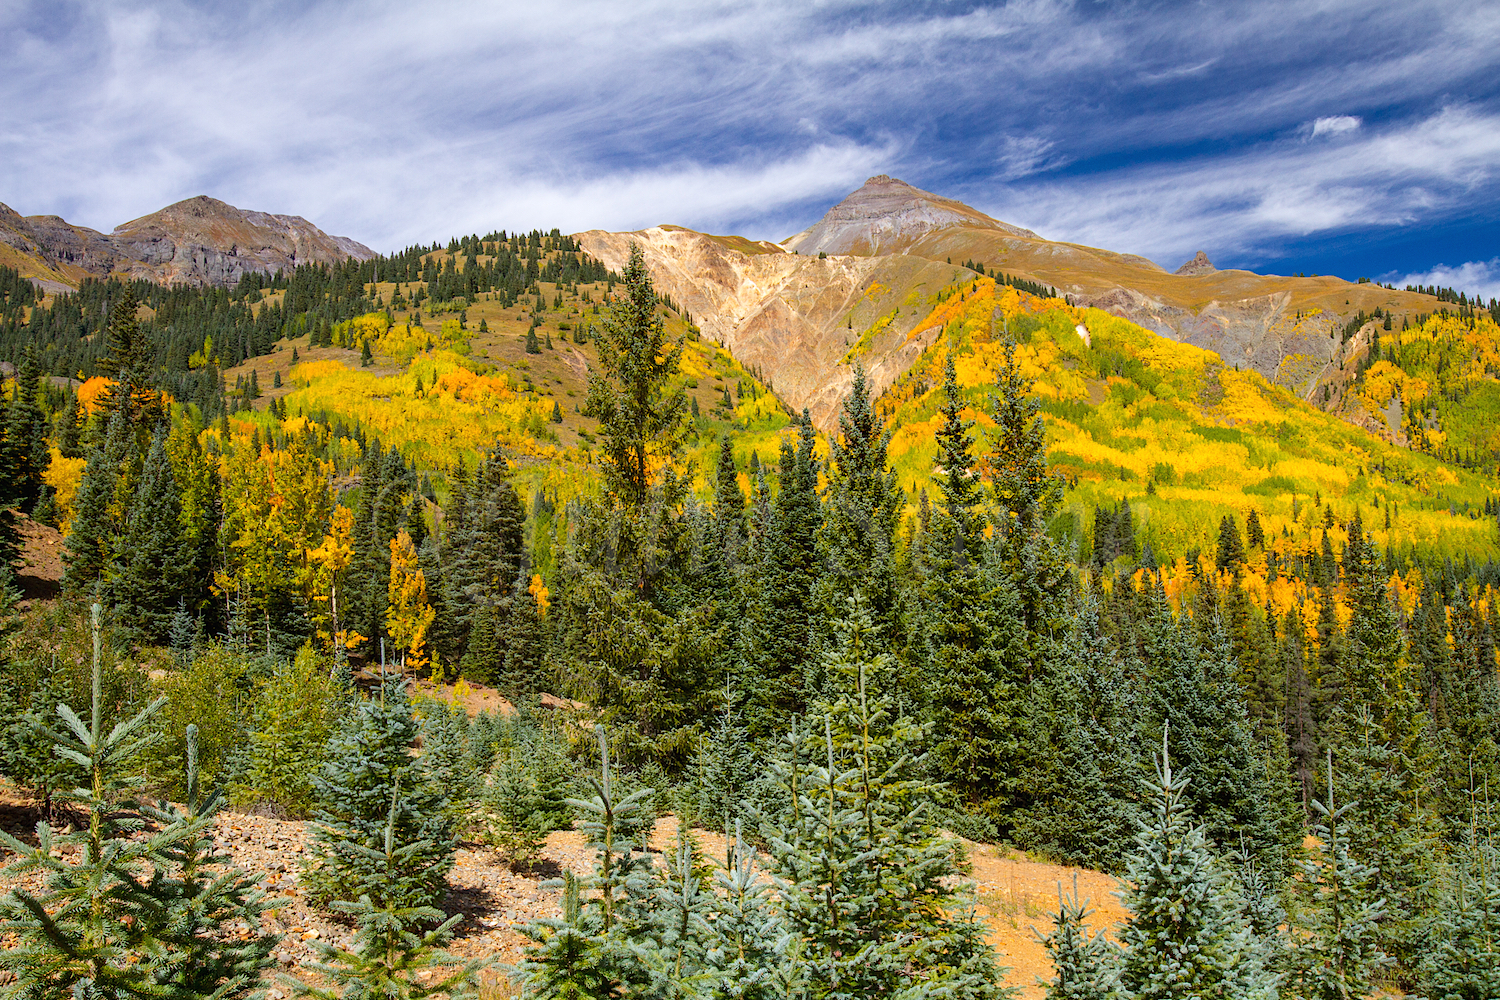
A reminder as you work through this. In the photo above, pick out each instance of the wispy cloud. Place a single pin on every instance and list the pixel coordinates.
(1151, 129)
(1335, 125)
(1280, 189)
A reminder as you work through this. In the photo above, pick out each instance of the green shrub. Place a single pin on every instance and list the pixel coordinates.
(295, 709)
(213, 693)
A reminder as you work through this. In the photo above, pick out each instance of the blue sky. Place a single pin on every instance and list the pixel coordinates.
(1326, 137)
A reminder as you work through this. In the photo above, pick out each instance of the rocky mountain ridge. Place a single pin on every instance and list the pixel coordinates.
(867, 272)
(201, 241)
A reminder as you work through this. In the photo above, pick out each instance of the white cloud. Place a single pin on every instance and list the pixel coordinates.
(1233, 203)
(393, 122)
(1026, 155)
(1477, 277)
(1335, 125)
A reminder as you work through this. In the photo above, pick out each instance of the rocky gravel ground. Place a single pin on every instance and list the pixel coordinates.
(1015, 894)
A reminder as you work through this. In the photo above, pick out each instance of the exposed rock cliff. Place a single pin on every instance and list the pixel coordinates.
(197, 241)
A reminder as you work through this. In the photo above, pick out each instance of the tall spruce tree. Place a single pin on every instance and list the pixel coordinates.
(862, 511)
(641, 417)
(1026, 495)
(779, 627)
(96, 522)
(1186, 936)
(151, 567)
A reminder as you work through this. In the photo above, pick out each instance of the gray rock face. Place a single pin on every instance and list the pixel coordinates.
(1200, 264)
(886, 216)
(201, 241)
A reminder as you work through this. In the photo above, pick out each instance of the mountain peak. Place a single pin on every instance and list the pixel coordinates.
(886, 215)
(1200, 264)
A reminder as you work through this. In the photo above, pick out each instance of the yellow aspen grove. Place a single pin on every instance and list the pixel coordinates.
(409, 615)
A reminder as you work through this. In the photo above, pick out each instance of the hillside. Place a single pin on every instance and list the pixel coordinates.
(199, 241)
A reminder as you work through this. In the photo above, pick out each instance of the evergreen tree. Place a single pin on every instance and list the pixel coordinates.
(779, 622)
(1186, 936)
(1079, 777)
(1026, 495)
(1231, 551)
(749, 951)
(128, 363)
(151, 569)
(1337, 952)
(397, 952)
(729, 499)
(640, 416)
(91, 539)
(1192, 686)
(25, 436)
(867, 881)
(201, 896)
(1084, 965)
(595, 950)
(862, 510)
(368, 761)
(120, 916)
(1463, 961)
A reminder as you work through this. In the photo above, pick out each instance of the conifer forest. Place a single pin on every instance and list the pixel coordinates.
(299, 529)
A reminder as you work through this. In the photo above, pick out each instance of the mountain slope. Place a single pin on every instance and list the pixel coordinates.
(886, 216)
(200, 241)
(792, 318)
(890, 246)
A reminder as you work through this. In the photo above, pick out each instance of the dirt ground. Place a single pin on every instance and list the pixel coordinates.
(1015, 895)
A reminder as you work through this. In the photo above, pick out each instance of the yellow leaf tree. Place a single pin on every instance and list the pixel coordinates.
(409, 615)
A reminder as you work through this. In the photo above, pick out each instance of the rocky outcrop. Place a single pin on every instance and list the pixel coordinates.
(205, 241)
(200, 241)
(795, 319)
(887, 216)
(1200, 264)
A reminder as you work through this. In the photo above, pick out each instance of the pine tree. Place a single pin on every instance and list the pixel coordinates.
(640, 415)
(119, 915)
(1186, 936)
(367, 761)
(1463, 960)
(25, 436)
(1337, 952)
(749, 952)
(729, 499)
(1026, 494)
(1231, 551)
(398, 952)
(969, 625)
(1084, 965)
(91, 539)
(868, 884)
(201, 895)
(151, 568)
(366, 358)
(862, 510)
(1191, 685)
(778, 631)
(595, 949)
(1079, 776)
(128, 363)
